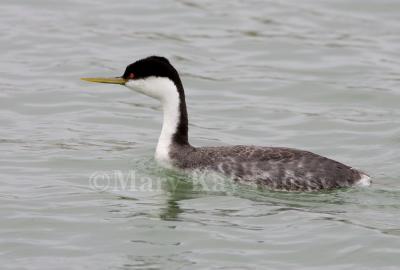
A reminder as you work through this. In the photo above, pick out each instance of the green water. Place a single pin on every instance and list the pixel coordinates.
(317, 75)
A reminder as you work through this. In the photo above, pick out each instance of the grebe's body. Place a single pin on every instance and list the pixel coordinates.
(274, 167)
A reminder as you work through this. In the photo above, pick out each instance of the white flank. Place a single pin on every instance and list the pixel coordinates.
(364, 181)
(164, 90)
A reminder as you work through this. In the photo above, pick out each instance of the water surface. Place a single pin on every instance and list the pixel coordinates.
(317, 75)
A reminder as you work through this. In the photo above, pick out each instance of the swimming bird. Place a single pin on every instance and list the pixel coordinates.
(277, 168)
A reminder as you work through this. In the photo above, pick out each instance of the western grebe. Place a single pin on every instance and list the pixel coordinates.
(274, 167)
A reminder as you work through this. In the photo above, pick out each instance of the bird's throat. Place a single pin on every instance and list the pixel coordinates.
(174, 130)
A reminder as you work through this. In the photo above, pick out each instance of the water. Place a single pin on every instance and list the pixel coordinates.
(316, 75)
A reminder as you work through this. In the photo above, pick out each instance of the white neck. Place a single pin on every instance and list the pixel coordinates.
(169, 127)
(164, 90)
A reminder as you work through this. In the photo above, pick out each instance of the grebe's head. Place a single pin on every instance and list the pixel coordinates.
(153, 76)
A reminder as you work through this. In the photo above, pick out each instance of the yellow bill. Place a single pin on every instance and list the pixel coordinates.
(117, 80)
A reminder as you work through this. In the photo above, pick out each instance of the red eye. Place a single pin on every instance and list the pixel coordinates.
(131, 76)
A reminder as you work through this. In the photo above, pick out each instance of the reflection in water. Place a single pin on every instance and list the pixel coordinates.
(335, 205)
(177, 189)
